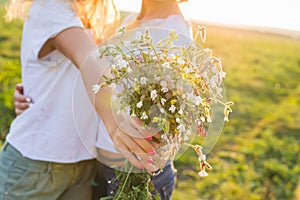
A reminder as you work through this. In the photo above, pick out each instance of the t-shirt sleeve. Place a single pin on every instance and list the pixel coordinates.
(46, 19)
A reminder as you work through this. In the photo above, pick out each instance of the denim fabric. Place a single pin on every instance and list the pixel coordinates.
(23, 178)
(164, 183)
(105, 184)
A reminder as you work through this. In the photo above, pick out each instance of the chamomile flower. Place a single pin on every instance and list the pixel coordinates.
(166, 64)
(203, 173)
(163, 101)
(144, 116)
(139, 104)
(197, 100)
(153, 95)
(172, 108)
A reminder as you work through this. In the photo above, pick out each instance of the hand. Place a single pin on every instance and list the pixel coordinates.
(134, 143)
(21, 102)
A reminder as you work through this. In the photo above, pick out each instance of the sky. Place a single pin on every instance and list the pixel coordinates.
(284, 14)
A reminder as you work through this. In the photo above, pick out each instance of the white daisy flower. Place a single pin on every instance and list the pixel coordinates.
(166, 65)
(203, 173)
(172, 108)
(182, 106)
(139, 104)
(202, 119)
(181, 128)
(153, 94)
(164, 89)
(144, 116)
(197, 100)
(123, 64)
(163, 101)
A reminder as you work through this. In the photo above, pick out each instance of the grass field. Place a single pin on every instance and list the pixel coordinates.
(257, 157)
(258, 154)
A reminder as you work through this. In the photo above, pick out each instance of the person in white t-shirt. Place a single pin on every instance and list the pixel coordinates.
(165, 14)
(43, 156)
(154, 13)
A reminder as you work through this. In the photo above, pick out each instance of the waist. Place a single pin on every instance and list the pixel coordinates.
(10, 151)
(109, 158)
(60, 147)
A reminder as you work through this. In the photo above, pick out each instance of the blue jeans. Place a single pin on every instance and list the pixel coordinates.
(164, 183)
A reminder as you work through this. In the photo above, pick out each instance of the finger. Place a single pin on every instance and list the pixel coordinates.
(120, 145)
(21, 106)
(135, 146)
(126, 127)
(145, 131)
(138, 146)
(18, 111)
(156, 136)
(20, 97)
(129, 156)
(19, 87)
(148, 162)
(155, 140)
(128, 132)
(151, 163)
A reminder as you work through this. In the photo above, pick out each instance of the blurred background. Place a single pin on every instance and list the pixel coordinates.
(267, 13)
(258, 153)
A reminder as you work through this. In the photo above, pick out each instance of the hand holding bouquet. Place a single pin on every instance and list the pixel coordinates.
(169, 83)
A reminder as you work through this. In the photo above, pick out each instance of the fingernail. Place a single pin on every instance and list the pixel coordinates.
(149, 137)
(141, 166)
(28, 99)
(30, 105)
(152, 152)
(150, 160)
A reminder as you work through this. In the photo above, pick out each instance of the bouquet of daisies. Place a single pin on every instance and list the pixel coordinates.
(170, 83)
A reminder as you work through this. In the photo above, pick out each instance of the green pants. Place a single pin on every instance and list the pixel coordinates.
(23, 178)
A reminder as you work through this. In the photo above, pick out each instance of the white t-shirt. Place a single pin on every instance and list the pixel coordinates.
(47, 130)
(174, 22)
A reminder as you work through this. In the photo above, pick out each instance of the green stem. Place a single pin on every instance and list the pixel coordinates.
(124, 184)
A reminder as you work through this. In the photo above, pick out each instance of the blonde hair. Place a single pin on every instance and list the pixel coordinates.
(101, 16)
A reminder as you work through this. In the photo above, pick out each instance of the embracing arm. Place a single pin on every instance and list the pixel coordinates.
(66, 42)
